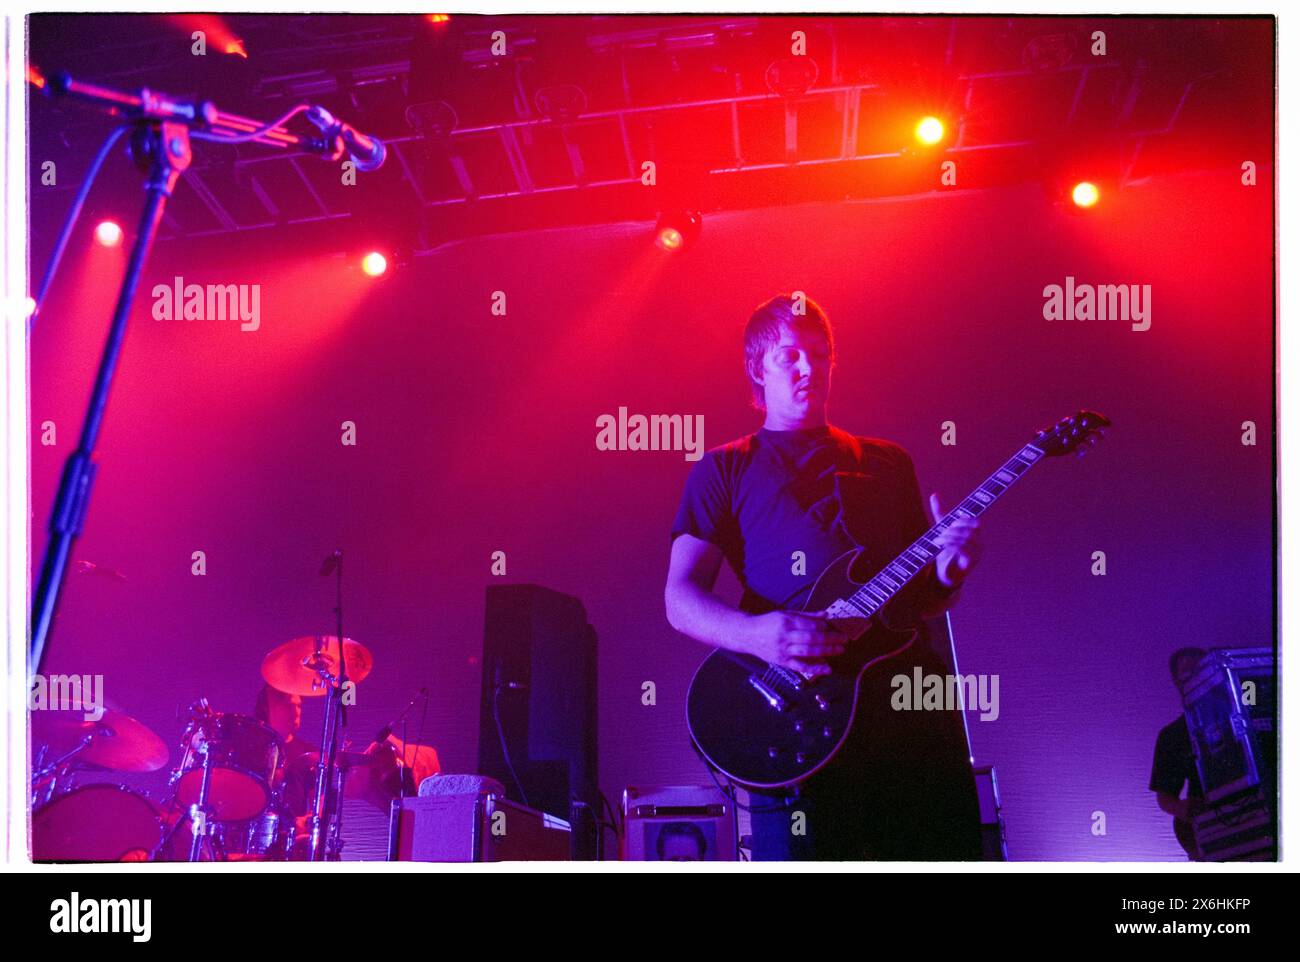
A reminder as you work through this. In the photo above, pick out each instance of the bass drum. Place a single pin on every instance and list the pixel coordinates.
(96, 823)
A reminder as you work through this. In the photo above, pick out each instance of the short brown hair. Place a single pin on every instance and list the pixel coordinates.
(763, 330)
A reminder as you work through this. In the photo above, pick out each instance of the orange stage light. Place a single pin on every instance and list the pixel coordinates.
(1085, 194)
(929, 130)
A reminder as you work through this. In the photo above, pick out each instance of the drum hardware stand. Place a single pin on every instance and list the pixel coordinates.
(334, 843)
(194, 813)
(199, 812)
(327, 813)
(56, 769)
(200, 807)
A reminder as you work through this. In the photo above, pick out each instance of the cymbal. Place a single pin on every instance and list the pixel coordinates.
(291, 668)
(118, 742)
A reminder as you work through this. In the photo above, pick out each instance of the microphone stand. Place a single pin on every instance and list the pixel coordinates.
(160, 145)
(327, 810)
(407, 763)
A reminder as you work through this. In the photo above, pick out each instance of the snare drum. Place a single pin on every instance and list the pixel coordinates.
(96, 823)
(243, 753)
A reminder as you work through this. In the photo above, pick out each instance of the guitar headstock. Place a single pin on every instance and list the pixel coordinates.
(1076, 433)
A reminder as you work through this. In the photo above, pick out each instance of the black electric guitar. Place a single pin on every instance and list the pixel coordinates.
(767, 726)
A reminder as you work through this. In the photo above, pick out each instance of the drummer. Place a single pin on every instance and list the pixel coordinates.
(376, 782)
(283, 712)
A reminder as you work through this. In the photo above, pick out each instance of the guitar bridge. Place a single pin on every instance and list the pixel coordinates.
(770, 694)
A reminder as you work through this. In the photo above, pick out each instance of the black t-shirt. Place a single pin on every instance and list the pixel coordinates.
(901, 786)
(1175, 763)
(820, 491)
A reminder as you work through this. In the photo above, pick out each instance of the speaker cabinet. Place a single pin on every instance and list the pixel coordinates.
(539, 684)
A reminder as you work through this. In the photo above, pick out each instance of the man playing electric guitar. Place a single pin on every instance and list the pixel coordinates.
(779, 505)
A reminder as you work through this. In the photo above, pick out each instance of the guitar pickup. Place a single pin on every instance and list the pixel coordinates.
(769, 693)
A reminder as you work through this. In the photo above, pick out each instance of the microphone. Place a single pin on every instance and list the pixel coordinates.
(388, 729)
(330, 563)
(368, 153)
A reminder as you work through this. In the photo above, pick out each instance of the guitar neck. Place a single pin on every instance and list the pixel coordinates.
(896, 575)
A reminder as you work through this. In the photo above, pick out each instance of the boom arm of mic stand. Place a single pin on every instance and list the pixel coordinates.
(202, 115)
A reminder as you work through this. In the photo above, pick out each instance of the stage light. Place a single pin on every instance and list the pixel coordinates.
(929, 131)
(676, 230)
(1085, 194)
(374, 264)
(29, 305)
(437, 17)
(670, 239)
(215, 30)
(108, 234)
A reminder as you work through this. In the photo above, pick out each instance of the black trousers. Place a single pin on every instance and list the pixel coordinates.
(900, 789)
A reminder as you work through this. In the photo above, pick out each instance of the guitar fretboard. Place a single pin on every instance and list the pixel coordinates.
(877, 592)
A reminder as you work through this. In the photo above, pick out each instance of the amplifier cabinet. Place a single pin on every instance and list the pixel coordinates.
(678, 823)
(474, 827)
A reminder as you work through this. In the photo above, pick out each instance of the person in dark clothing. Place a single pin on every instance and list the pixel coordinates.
(778, 506)
(1174, 765)
(295, 775)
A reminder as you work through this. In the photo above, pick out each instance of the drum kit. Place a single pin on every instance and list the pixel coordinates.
(227, 798)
